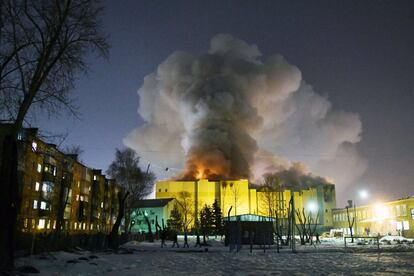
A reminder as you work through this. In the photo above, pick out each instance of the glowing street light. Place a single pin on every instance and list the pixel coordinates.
(312, 206)
(363, 194)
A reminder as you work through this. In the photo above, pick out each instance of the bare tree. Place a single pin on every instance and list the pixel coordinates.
(43, 45)
(236, 196)
(138, 184)
(351, 222)
(186, 208)
(270, 194)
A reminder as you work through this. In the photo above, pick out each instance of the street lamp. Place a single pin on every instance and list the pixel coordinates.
(363, 194)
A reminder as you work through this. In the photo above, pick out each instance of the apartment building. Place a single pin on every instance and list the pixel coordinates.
(58, 191)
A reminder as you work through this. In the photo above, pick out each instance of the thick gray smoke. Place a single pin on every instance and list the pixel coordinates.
(231, 114)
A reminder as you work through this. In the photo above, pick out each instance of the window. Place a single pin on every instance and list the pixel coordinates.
(403, 210)
(403, 225)
(94, 177)
(102, 204)
(159, 190)
(46, 188)
(54, 171)
(43, 205)
(166, 190)
(41, 224)
(34, 146)
(37, 186)
(39, 168)
(412, 213)
(35, 204)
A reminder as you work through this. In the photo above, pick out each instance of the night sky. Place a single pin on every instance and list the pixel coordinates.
(359, 54)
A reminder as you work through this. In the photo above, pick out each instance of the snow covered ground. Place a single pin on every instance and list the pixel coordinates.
(149, 259)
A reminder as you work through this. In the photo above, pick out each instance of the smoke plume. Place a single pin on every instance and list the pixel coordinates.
(231, 114)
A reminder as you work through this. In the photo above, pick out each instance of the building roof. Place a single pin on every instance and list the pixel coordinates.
(150, 203)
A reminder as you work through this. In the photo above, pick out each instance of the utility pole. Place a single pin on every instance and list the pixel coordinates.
(293, 222)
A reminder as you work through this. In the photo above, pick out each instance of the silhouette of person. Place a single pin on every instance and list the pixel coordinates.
(175, 241)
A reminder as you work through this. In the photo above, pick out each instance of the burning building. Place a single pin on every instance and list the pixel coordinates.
(230, 116)
(239, 197)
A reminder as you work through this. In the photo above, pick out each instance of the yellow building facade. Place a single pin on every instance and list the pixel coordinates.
(394, 217)
(239, 197)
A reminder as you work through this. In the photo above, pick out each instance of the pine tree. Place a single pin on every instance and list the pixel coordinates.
(175, 222)
(217, 220)
(206, 221)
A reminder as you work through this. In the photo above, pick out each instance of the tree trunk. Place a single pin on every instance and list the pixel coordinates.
(113, 236)
(9, 202)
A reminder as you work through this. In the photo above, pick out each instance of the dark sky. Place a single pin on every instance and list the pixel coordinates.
(357, 53)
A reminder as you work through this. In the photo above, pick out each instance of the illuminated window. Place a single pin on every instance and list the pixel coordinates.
(34, 146)
(75, 226)
(43, 205)
(102, 204)
(77, 197)
(26, 223)
(54, 171)
(34, 204)
(412, 213)
(403, 225)
(41, 224)
(94, 177)
(81, 198)
(37, 186)
(39, 168)
(78, 184)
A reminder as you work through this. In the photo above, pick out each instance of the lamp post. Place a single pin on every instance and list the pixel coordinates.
(363, 194)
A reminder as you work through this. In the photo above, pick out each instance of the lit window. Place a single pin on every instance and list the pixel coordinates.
(406, 225)
(75, 226)
(54, 171)
(412, 213)
(34, 204)
(102, 204)
(81, 198)
(403, 225)
(41, 224)
(94, 177)
(43, 205)
(34, 146)
(19, 136)
(37, 186)
(39, 168)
